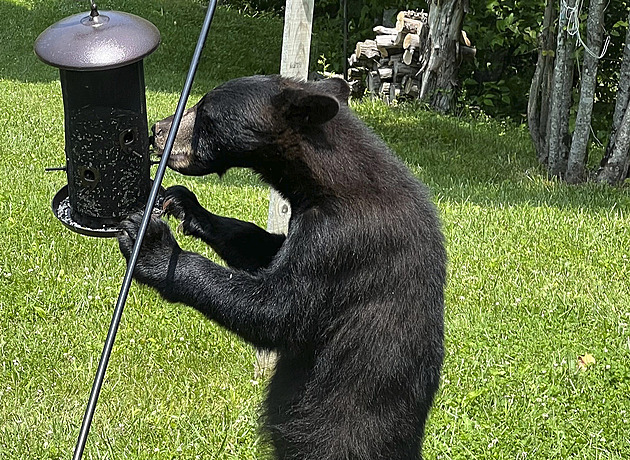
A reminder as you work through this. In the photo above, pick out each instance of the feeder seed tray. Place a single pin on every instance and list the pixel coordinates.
(63, 211)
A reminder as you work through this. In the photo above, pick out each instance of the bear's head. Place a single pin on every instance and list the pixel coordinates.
(243, 122)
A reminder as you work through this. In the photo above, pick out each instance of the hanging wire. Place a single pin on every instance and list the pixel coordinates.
(573, 27)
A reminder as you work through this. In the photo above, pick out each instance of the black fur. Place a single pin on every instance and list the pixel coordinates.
(352, 298)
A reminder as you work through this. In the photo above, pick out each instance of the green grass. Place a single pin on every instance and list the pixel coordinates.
(538, 276)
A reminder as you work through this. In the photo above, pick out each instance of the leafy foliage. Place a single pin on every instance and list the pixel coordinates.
(504, 33)
(327, 38)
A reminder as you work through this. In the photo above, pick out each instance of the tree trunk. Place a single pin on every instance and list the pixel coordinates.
(618, 164)
(439, 79)
(561, 96)
(538, 107)
(614, 166)
(576, 165)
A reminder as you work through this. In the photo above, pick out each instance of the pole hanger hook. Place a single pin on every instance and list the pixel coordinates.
(93, 9)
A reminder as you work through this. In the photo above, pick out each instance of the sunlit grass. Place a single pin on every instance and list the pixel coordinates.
(538, 275)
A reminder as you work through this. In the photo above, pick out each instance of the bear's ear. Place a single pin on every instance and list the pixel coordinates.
(335, 86)
(307, 108)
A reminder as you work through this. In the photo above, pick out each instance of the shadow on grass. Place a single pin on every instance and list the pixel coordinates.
(21, 27)
(232, 50)
(482, 162)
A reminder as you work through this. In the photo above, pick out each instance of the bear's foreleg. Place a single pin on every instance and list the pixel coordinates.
(240, 244)
(260, 308)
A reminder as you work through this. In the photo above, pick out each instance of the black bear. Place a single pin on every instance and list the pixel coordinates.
(351, 299)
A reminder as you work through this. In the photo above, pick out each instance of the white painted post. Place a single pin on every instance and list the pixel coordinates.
(296, 48)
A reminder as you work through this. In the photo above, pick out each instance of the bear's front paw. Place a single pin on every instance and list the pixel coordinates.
(182, 204)
(158, 253)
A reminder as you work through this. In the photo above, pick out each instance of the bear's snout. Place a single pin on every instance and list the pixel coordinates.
(159, 132)
(161, 129)
(184, 156)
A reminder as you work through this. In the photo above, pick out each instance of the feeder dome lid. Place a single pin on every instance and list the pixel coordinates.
(97, 41)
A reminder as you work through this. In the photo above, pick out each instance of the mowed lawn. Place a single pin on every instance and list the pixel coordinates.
(539, 276)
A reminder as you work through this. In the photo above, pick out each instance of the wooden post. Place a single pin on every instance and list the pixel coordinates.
(296, 39)
(296, 48)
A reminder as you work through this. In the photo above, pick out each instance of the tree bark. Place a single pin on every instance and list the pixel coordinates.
(569, 70)
(612, 167)
(576, 165)
(561, 96)
(439, 78)
(618, 164)
(538, 106)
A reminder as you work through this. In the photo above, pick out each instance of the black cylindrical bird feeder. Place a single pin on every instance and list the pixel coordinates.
(99, 56)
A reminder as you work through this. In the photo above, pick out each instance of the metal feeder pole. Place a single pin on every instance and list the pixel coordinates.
(124, 290)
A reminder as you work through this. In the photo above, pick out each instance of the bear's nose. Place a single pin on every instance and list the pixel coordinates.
(156, 133)
(155, 130)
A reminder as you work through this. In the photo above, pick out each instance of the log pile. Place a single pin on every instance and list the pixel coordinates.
(391, 65)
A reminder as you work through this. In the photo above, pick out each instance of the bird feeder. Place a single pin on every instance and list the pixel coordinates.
(100, 60)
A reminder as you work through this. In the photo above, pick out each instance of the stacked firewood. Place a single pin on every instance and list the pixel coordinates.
(392, 64)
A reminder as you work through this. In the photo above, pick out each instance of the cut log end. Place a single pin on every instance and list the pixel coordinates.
(397, 61)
